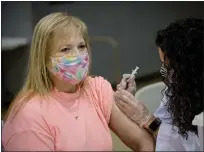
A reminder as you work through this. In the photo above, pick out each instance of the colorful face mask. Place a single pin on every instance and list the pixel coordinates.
(72, 69)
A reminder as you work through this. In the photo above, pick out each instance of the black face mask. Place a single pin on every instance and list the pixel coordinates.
(163, 70)
(166, 73)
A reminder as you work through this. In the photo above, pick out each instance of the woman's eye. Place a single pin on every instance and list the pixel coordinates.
(82, 46)
(65, 50)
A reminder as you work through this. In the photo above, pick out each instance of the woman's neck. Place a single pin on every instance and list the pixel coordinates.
(62, 86)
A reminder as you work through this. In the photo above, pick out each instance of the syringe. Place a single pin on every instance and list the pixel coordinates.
(134, 72)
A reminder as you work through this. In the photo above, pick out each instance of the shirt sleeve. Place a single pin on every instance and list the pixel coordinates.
(168, 139)
(28, 131)
(164, 141)
(30, 140)
(104, 93)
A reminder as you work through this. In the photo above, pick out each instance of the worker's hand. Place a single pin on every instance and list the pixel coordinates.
(134, 109)
(128, 84)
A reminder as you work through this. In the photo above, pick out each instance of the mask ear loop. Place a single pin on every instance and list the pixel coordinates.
(163, 70)
(170, 71)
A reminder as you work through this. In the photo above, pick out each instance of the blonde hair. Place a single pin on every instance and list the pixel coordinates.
(38, 81)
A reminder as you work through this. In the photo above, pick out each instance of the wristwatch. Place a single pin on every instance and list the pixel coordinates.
(155, 124)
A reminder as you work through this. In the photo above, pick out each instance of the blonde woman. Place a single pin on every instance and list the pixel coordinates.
(60, 107)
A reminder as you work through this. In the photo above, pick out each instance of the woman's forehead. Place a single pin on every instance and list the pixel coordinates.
(69, 35)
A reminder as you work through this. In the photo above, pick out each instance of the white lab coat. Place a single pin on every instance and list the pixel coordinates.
(168, 138)
(198, 121)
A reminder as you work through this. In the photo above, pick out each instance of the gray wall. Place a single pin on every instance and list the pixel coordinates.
(132, 24)
(16, 22)
(16, 19)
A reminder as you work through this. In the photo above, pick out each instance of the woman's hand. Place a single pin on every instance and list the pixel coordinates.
(134, 109)
(128, 84)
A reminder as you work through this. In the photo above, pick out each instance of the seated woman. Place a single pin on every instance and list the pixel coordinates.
(62, 108)
(180, 48)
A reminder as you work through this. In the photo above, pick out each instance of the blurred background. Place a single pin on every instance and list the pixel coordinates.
(122, 37)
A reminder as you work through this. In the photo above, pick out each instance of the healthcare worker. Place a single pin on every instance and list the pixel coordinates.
(180, 47)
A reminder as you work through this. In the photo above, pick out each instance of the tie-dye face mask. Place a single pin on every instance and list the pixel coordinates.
(72, 69)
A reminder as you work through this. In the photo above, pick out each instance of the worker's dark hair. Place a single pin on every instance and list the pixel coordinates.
(182, 44)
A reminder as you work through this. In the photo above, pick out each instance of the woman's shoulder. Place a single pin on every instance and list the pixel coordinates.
(29, 116)
(101, 90)
(29, 109)
(97, 86)
(98, 82)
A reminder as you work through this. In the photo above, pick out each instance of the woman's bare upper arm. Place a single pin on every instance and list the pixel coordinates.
(121, 124)
(129, 132)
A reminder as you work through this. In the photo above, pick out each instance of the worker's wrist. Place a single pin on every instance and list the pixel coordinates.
(146, 125)
(153, 125)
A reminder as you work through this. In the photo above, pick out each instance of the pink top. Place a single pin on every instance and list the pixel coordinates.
(49, 124)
